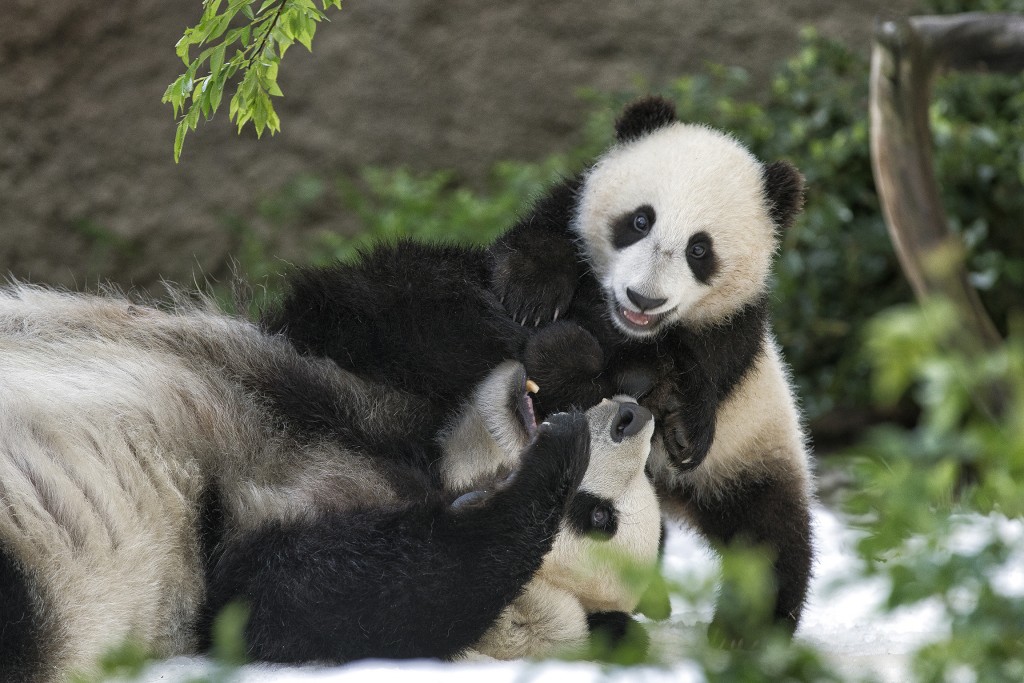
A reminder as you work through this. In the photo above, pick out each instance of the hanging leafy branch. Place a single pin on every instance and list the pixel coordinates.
(256, 42)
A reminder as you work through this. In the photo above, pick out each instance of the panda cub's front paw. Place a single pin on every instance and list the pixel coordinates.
(566, 362)
(687, 445)
(532, 289)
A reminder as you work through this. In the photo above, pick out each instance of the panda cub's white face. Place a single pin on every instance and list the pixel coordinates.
(676, 227)
(614, 514)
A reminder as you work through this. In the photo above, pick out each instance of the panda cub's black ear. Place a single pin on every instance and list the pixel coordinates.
(784, 188)
(643, 117)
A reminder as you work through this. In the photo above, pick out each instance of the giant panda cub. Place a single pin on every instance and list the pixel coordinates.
(613, 521)
(662, 252)
(158, 464)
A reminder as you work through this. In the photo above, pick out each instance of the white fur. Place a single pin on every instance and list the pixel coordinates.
(114, 418)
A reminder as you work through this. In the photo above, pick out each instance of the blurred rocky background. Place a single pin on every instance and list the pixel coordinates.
(89, 190)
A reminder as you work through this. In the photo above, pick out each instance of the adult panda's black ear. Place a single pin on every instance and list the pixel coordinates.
(644, 116)
(784, 188)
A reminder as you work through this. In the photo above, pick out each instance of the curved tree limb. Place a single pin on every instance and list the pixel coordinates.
(906, 56)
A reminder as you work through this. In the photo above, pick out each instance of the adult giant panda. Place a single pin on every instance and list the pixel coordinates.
(662, 251)
(155, 465)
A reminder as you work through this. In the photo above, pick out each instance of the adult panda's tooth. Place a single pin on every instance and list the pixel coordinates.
(532, 387)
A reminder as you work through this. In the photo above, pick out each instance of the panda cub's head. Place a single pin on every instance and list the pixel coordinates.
(679, 222)
(614, 515)
(614, 512)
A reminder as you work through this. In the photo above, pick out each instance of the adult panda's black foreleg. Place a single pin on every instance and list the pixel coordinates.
(772, 512)
(425, 580)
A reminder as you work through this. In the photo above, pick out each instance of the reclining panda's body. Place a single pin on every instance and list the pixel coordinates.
(155, 465)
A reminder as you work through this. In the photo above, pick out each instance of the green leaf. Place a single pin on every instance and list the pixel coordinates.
(257, 47)
(217, 59)
(179, 139)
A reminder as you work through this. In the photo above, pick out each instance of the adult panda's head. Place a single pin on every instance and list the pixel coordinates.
(680, 222)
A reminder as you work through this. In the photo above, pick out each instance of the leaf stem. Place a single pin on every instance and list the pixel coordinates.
(263, 40)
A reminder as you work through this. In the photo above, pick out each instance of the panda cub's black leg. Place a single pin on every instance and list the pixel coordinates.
(773, 513)
(425, 580)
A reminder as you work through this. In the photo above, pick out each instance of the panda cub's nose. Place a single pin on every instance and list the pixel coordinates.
(642, 302)
(629, 420)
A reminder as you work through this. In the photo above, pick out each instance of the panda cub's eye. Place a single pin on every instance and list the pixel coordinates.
(698, 250)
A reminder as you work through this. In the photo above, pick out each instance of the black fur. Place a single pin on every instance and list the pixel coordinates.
(769, 512)
(556, 272)
(23, 635)
(784, 187)
(703, 265)
(424, 580)
(615, 629)
(627, 230)
(592, 514)
(375, 316)
(643, 117)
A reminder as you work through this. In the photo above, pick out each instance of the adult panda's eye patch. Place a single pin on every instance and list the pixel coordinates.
(632, 226)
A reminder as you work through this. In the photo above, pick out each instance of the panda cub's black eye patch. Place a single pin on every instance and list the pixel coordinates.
(590, 514)
(700, 256)
(633, 226)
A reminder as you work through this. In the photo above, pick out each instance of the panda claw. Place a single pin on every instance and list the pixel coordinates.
(555, 319)
(536, 322)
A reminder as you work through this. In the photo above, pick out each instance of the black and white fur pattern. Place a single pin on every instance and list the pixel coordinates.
(662, 252)
(613, 522)
(155, 465)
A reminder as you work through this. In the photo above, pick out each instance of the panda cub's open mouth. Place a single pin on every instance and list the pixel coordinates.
(637, 321)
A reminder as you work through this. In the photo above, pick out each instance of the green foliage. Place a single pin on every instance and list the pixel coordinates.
(396, 203)
(126, 661)
(245, 39)
(935, 500)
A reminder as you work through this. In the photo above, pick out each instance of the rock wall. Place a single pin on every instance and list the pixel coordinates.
(88, 187)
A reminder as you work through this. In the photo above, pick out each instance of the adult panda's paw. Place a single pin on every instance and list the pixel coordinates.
(535, 285)
(559, 454)
(566, 362)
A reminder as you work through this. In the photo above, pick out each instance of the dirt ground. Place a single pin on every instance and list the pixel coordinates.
(88, 187)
